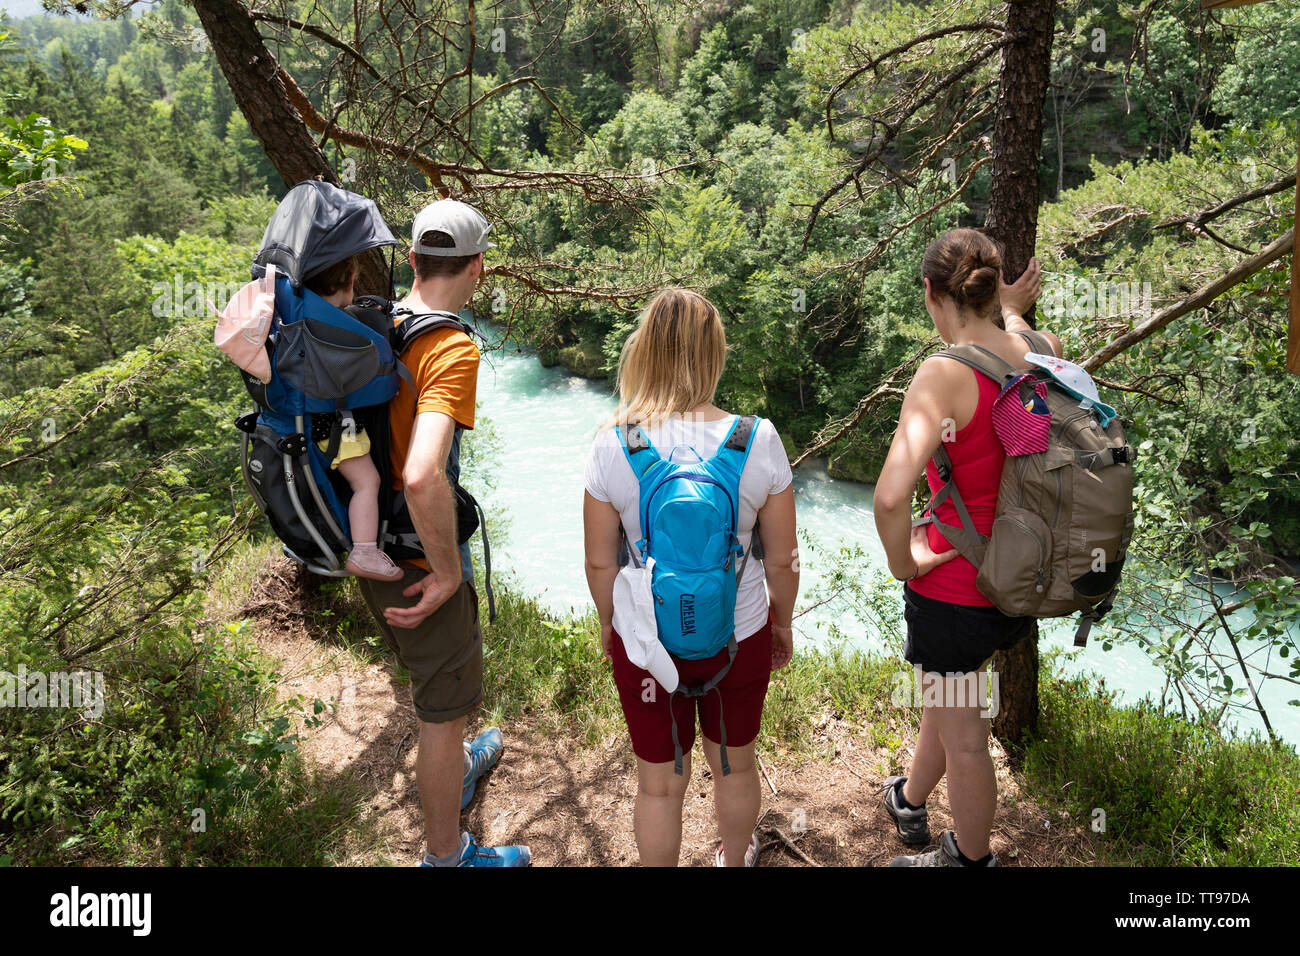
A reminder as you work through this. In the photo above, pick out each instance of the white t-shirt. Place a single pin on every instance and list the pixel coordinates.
(767, 471)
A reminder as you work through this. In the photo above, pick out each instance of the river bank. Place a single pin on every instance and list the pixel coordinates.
(542, 423)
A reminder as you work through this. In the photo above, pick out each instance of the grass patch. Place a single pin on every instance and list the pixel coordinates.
(548, 668)
(839, 682)
(1174, 791)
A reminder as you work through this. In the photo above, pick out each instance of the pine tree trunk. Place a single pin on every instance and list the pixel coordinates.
(253, 74)
(1013, 221)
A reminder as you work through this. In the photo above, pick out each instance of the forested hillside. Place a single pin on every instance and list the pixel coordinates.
(790, 159)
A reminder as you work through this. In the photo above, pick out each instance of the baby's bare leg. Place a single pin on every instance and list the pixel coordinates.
(363, 511)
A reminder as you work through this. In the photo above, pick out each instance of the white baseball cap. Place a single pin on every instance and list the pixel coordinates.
(467, 227)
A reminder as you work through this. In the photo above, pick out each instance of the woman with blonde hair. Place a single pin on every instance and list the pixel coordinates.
(667, 376)
(952, 628)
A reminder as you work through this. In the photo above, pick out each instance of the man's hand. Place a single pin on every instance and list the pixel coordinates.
(433, 595)
(1019, 297)
(433, 512)
(782, 646)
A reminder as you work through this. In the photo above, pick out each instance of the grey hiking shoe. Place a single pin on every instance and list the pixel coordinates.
(913, 825)
(944, 855)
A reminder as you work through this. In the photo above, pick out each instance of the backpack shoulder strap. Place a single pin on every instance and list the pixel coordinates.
(1037, 342)
(964, 537)
(641, 454)
(732, 456)
(416, 324)
(641, 457)
(734, 451)
(970, 544)
(981, 360)
(411, 328)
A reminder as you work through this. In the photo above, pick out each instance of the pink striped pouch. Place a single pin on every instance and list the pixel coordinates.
(1021, 417)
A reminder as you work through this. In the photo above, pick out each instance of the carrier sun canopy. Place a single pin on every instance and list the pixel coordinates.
(317, 225)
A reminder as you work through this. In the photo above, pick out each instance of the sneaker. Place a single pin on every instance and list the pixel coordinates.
(482, 755)
(913, 825)
(944, 855)
(751, 854)
(471, 854)
(374, 564)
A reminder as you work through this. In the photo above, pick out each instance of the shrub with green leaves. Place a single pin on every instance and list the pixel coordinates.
(1173, 791)
(32, 148)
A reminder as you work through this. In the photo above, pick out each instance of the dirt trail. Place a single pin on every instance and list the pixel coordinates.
(573, 806)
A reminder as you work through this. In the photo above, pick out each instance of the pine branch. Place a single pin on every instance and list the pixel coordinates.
(1199, 299)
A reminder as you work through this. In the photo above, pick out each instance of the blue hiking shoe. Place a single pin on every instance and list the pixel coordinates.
(475, 855)
(482, 755)
(471, 854)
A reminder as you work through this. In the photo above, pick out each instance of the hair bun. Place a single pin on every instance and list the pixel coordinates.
(965, 265)
(977, 280)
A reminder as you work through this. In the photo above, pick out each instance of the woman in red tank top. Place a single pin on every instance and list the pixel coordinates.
(977, 458)
(952, 629)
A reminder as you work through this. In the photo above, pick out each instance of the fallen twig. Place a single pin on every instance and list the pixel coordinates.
(763, 768)
(789, 845)
(852, 771)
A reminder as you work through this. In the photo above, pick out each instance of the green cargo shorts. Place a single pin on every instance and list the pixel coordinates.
(444, 654)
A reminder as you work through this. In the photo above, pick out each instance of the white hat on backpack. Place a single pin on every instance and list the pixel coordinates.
(634, 620)
(1076, 381)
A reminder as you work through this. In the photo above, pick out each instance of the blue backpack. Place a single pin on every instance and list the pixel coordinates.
(326, 362)
(690, 514)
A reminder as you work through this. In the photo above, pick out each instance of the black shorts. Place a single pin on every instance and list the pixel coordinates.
(957, 638)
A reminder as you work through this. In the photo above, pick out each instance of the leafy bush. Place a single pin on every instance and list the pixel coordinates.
(192, 759)
(1174, 792)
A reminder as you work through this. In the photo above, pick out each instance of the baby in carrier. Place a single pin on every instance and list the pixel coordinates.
(352, 459)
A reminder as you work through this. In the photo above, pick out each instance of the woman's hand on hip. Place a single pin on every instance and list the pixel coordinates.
(924, 556)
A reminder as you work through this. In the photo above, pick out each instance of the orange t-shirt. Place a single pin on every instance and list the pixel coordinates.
(444, 364)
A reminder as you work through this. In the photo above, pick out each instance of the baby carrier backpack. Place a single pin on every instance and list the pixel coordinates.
(689, 525)
(325, 360)
(1065, 500)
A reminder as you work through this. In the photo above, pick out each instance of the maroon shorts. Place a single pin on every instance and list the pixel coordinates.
(738, 700)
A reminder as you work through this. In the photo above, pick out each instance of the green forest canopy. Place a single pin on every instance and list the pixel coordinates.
(699, 139)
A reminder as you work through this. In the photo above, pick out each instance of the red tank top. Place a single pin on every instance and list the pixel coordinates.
(977, 459)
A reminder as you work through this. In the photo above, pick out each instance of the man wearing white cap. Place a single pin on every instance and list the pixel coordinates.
(438, 638)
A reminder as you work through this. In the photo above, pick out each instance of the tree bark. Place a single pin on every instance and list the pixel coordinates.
(253, 74)
(1013, 221)
(1293, 327)
(1018, 131)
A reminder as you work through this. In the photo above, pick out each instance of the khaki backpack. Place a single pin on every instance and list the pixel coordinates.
(1064, 515)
